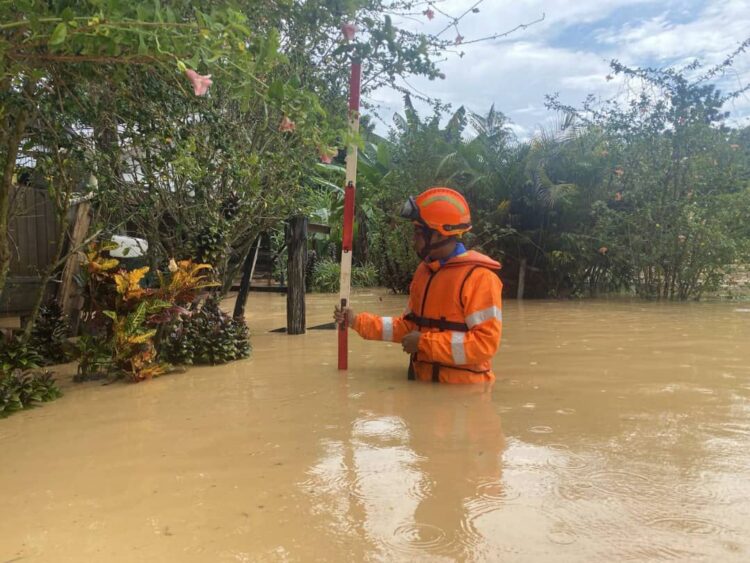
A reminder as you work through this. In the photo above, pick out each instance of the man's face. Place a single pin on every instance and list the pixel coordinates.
(418, 239)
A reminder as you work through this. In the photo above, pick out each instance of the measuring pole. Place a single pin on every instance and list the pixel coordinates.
(349, 191)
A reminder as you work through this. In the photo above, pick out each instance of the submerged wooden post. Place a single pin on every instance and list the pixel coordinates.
(521, 278)
(248, 269)
(295, 294)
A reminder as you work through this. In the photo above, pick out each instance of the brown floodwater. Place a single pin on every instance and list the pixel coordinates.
(616, 430)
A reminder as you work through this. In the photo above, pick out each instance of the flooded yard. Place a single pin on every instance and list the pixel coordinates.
(617, 430)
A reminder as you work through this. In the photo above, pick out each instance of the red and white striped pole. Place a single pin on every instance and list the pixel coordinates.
(349, 191)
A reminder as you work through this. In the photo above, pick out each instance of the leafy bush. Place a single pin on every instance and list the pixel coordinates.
(15, 354)
(49, 334)
(129, 315)
(20, 390)
(327, 275)
(394, 258)
(95, 358)
(206, 336)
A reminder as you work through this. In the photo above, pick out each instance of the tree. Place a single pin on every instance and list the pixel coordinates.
(679, 185)
(55, 48)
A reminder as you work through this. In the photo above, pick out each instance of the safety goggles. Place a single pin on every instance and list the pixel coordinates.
(410, 210)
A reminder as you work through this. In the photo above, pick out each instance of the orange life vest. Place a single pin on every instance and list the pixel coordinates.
(439, 293)
(457, 306)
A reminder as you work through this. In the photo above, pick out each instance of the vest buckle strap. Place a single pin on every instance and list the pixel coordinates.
(440, 324)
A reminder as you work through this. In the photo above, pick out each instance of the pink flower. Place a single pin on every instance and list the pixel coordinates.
(429, 13)
(349, 29)
(200, 83)
(603, 250)
(734, 147)
(286, 125)
(459, 39)
(326, 154)
(618, 196)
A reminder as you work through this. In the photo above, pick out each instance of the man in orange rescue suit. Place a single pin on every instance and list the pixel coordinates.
(453, 323)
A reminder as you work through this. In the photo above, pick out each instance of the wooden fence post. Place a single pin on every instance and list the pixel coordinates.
(295, 295)
(69, 295)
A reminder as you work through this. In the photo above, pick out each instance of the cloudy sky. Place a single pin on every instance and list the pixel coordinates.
(569, 52)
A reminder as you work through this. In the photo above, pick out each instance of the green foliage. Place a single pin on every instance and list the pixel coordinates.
(392, 253)
(279, 255)
(207, 335)
(678, 185)
(49, 334)
(17, 354)
(196, 176)
(327, 275)
(21, 390)
(648, 196)
(94, 358)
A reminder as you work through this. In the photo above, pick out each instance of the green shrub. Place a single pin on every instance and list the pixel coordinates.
(94, 359)
(49, 334)
(327, 275)
(15, 354)
(207, 336)
(394, 258)
(20, 390)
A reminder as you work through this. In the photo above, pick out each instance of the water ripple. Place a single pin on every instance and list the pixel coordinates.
(575, 491)
(381, 427)
(417, 538)
(562, 534)
(567, 460)
(623, 484)
(696, 492)
(682, 525)
(497, 492)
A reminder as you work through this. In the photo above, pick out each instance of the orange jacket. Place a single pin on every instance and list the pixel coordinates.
(458, 308)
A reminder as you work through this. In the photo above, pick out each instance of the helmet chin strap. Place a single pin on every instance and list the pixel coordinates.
(429, 246)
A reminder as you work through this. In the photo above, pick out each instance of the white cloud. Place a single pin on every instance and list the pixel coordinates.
(517, 72)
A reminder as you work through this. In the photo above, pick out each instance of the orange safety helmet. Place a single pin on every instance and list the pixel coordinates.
(441, 209)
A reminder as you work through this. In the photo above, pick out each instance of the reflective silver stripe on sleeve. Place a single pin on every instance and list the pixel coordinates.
(457, 348)
(387, 329)
(484, 315)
